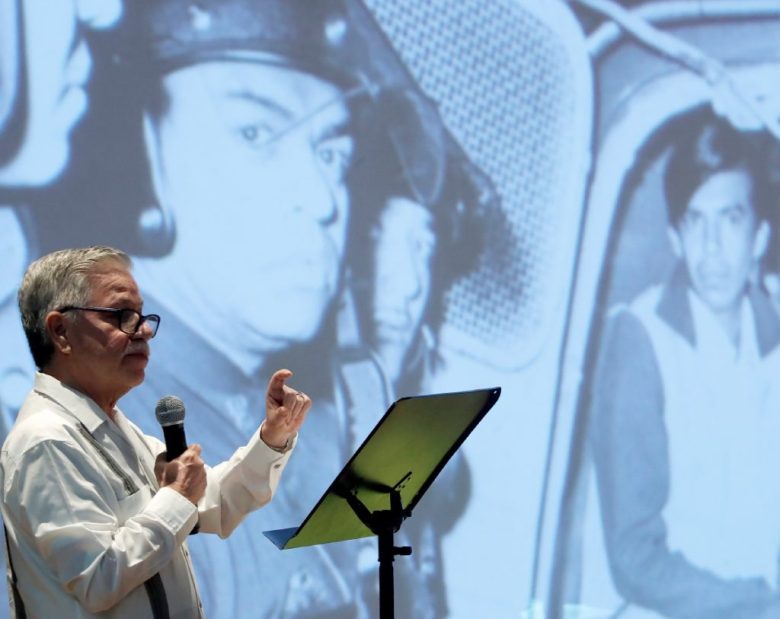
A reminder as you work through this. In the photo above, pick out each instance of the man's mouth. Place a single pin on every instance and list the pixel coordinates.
(138, 353)
(713, 282)
(392, 321)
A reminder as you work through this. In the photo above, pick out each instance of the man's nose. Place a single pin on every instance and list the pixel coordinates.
(398, 276)
(712, 235)
(99, 14)
(144, 331)
(312, 193)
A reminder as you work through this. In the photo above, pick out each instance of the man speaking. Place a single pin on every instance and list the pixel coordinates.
(96, 518)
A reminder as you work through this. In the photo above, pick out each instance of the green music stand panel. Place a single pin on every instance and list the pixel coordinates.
(404, 452)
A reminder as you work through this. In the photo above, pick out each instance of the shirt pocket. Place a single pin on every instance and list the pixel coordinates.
(133, 504)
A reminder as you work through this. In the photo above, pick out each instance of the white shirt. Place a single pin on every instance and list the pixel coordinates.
(82, 545)
(722, 417)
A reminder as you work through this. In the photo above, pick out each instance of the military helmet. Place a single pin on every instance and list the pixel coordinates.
(311, 35)
(336, 40)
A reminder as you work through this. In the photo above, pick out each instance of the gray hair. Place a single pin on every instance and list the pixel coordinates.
(53, 281)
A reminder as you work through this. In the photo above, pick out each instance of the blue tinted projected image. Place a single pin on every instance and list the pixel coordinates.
(575, 200)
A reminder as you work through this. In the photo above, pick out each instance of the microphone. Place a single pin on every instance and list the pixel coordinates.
(170, 415)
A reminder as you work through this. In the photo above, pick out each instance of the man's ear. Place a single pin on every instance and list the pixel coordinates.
(57, 328)
(674, 241)
(761, 240)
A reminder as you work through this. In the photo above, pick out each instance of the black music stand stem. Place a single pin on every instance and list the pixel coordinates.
(384, 524)
(386, 477)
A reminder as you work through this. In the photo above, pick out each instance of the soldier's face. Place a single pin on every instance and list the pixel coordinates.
(404, 244)
(251, 158)
(56, 68)
(720, 239)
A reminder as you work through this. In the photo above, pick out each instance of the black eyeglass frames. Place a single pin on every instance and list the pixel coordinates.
(129, 320)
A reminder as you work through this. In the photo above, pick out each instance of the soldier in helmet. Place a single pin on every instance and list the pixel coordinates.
(262, 115)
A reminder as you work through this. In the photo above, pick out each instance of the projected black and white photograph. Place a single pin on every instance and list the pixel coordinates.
(573, 200)
(667, 507)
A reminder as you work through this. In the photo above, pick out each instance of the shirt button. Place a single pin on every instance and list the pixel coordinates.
(277, 466)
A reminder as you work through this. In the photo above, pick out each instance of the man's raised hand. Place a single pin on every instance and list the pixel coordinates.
(285, 411)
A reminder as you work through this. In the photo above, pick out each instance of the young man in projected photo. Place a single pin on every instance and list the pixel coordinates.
(255, 123)
(404, 245)
(686, 409)
(45, 65)
(414, 253)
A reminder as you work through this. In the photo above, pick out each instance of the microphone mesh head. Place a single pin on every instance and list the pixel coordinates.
(169, 410)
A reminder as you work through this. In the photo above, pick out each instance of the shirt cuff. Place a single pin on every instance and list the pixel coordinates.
(282, 450)
(179, 514)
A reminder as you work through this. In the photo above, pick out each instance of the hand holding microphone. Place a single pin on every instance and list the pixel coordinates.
(180, 467)
(186, 475)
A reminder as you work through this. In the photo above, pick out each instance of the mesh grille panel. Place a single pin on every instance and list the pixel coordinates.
(503, 85)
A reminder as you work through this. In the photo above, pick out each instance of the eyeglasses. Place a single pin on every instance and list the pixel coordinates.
(129, 321)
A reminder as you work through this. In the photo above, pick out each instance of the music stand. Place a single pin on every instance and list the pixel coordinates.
(388, 474)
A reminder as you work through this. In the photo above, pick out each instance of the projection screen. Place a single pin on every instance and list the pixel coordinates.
(575, 201)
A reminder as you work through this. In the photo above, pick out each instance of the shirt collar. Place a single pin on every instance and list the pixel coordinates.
(81, 406)
(767, 321)
(674, 308)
